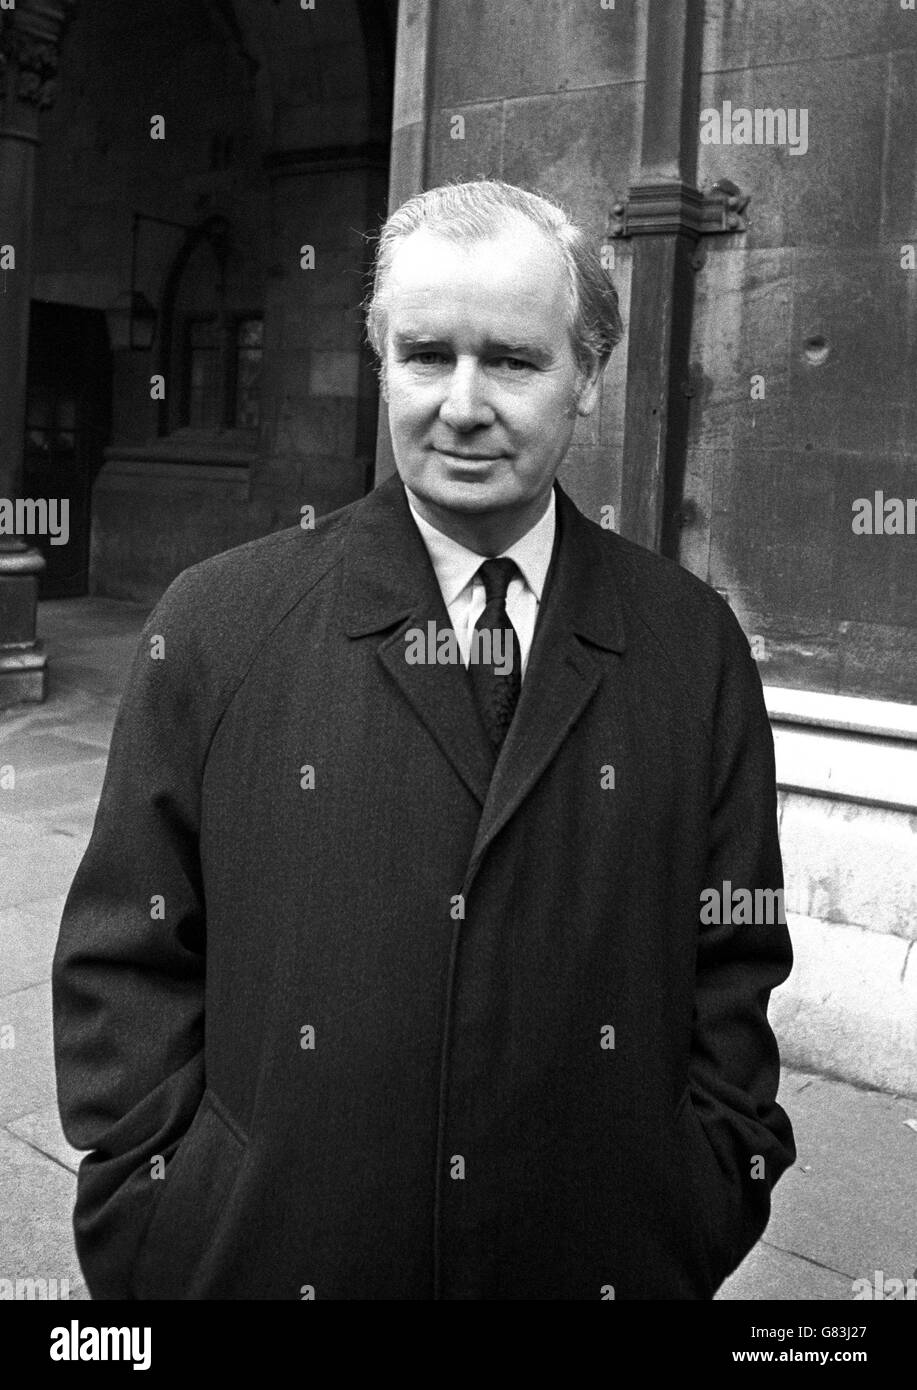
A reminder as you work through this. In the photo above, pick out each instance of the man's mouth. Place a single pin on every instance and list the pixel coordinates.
(469, 458)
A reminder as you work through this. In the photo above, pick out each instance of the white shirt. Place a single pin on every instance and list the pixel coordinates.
(463, 589)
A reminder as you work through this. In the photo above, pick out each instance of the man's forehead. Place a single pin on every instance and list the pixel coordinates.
(521, 260)
(510, 286)
(415, 316)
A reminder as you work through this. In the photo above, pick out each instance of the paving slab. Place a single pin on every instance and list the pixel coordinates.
(45, 787)
(770, 1273)
(28, 936)
(42, 1132)
(35, 863)
(36, 1198)
(849, 1205)
(850, 1202)
(27, 1080)
(37, 748)
(74, 820)
(95, 731)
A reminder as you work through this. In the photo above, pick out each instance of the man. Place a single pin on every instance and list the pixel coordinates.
(387, 974)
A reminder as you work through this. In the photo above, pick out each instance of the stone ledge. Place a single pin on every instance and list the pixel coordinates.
(887, 718)
(846, 765)
(156, 475)
(233, 449)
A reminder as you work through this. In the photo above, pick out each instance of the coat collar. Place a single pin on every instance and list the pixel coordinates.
(389, 583)
(388, 571)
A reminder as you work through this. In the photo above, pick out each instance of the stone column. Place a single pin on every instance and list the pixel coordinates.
(662, 286)
(29, 38)
(414, 58)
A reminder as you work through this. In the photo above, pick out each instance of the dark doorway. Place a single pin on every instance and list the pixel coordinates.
(68, 424)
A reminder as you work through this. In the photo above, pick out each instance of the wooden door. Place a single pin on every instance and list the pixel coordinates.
(68, 423)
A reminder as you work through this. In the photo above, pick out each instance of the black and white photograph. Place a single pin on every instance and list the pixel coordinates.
(458, 661)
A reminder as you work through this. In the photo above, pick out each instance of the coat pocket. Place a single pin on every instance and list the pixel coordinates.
(192, 1206)
(710, 1193)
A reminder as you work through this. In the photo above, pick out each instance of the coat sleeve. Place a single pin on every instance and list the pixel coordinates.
(745, 1137)
(128, 973)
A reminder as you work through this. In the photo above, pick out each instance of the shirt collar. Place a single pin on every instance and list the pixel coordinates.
(456, 565)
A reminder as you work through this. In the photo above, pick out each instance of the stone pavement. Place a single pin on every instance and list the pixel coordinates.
(848, 1208)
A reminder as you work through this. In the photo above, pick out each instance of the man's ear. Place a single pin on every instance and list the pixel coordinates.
(589, 389)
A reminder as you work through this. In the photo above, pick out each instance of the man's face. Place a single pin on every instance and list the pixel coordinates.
(483, 387)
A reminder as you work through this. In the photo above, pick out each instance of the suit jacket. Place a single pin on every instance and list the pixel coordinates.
(395, 1023)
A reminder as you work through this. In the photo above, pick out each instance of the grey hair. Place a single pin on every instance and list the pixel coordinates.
(474, 212)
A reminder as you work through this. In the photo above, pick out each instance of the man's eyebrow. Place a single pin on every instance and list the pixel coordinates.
(409, 338)
(538, 352)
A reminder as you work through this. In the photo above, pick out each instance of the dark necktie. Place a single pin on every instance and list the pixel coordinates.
(494, 647)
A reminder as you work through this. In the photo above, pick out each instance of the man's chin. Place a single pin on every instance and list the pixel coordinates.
(471, 496)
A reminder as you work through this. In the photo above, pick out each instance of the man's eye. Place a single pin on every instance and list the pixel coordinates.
(514, 364)
(426, 359)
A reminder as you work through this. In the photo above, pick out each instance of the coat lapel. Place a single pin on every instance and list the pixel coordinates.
(390, 586)
(390, 583)
(581, 611)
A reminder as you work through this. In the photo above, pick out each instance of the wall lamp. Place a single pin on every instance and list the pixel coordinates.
(132, 318)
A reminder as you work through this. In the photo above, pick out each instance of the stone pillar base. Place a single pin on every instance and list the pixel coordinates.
(23, 676)
(23, 663)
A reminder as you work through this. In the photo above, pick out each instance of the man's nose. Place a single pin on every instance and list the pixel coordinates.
(465, 405)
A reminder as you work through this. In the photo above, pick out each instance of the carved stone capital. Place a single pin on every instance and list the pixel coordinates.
(665, 209)
(29, 47)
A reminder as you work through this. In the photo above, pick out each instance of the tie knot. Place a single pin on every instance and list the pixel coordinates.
(496, 575)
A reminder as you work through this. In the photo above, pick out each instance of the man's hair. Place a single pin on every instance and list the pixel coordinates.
(478, 210)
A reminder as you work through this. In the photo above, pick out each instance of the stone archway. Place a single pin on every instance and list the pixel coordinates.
(316, 90)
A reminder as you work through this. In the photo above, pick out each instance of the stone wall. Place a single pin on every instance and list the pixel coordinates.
(813, 299)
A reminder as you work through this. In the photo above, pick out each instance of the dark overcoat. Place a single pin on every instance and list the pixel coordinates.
(342, 1010)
